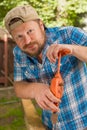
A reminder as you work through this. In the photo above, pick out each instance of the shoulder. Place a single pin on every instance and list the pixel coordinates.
(19, 55)
(73, 32)
(65, 29)
(51, 29)
(17, 51)
(72, 29)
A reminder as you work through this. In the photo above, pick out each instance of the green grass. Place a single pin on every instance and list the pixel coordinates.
(11, 111)
(11, 115)
(4, 100)
(38, 109)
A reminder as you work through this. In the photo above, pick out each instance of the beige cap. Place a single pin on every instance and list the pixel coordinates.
(24, 13)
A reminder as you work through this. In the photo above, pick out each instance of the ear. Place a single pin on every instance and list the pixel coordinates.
(41, 24)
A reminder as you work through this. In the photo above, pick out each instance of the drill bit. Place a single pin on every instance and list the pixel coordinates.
(54, 119)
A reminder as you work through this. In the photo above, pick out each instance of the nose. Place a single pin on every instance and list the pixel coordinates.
(27, 39)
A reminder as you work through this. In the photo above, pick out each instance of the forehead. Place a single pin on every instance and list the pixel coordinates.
(25, 26)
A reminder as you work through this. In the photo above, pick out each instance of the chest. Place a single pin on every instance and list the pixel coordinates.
(46, 71)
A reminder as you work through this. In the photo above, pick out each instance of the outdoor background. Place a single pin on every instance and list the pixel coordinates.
(53, 13)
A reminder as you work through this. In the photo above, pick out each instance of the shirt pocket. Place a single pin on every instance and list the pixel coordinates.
(30, 74)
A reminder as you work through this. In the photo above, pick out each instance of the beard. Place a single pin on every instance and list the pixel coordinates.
(34, 52)
(34, 49)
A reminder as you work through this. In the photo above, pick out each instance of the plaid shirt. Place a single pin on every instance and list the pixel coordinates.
(73, 107)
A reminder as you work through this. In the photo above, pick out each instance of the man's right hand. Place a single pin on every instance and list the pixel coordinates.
(38, 91)
(45, 99)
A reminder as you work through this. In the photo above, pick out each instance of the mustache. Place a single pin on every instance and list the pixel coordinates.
(30, 44)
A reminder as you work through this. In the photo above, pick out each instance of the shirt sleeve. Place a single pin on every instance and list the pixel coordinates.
(77, 36)
(18, 66)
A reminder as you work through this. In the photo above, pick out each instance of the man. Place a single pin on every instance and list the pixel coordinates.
(35, 64)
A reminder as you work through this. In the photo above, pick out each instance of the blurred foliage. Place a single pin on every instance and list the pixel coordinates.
(50, 11)
(46, 8)
(73, 12)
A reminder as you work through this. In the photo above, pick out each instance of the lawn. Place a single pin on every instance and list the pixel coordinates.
(11, 111)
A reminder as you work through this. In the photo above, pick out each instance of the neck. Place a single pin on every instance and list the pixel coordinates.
(40, 58)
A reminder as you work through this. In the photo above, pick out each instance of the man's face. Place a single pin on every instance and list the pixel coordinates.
(30, 37)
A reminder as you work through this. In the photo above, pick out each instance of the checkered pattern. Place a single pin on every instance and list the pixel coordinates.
(73, 108)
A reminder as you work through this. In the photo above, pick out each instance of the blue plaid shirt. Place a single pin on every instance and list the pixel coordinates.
(73, 108)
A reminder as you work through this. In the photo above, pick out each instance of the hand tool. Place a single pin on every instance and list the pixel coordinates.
(57, 86)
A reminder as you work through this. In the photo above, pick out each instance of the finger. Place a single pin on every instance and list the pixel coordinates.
(50, 53)
(47, 104)
(44, 105)
(52, 58)
(56, 111)
(56, 52)
(52, 98)
(52, 106)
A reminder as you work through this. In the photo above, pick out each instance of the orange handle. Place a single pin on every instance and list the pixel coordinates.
(57, 83)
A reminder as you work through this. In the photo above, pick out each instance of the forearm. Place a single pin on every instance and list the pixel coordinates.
(75, 50)
(25, 89)
(80, 52)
